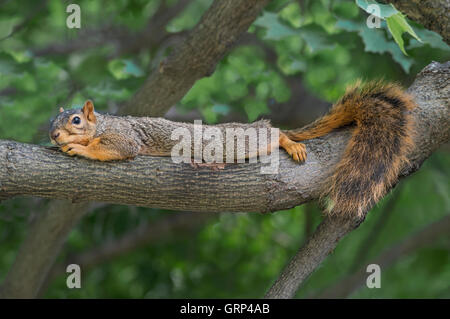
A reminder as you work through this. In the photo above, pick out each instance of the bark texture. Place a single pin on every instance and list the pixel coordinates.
(432, 92)
(158, 182)
(204, 46)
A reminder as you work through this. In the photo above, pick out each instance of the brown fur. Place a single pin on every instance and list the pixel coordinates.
(369, 167)
(376, 151)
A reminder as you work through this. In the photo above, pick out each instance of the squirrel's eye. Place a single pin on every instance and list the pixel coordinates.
(76, 120)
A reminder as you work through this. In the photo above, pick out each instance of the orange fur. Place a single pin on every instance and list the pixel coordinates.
(94, 150)
(296, 150)
(376, 151)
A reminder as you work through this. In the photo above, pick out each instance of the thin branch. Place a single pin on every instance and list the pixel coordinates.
(39, 171)
(11, 286)
(323, 241)
(424, 237)
(330, 231)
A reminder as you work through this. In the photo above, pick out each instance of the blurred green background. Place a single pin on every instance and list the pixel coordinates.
(296, 52)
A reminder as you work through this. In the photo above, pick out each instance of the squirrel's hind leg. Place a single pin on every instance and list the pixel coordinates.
(296, 150)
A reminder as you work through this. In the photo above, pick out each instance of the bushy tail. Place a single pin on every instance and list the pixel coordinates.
(376, 151)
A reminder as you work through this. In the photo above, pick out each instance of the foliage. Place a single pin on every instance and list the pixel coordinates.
(326, 43)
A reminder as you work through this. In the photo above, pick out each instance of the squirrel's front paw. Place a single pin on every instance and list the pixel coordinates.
(73, 149)
(297, 151)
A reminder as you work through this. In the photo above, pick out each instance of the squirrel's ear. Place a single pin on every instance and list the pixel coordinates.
(88, 111)
(61, 109)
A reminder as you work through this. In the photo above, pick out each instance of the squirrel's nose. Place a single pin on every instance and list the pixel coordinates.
(55, 135)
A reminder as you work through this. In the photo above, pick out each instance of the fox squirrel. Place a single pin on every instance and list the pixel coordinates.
(369, 167)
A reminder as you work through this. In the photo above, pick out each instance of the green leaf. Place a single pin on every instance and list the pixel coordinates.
(255, 108)
(209, 115)
(123, 69)
(222, 109)
(7, 26)
(398, 25)
(345, 9)
(386, 10)
(316, 37)
(7, 65)
(431, 38)
(349, 25)
(132, 69)
(275, 29)
(375, 41)
(396, 21)
(20, 56)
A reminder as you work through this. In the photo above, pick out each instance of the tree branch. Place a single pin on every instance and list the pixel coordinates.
(331, 230)
(226, 12)
(38, 171)
(433, 15)
(322, 242)
(196, 57)
(422, 238)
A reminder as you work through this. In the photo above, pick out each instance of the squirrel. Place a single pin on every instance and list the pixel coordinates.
(369, 167)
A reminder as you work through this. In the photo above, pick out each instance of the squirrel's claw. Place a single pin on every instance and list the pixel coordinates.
(65, 148)
(72, 149)
(297, 151)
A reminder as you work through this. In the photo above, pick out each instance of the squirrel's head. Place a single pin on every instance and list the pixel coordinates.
(81, 122)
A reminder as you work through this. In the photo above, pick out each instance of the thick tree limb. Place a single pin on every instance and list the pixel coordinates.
(196, 57)
(432, 14)
(158, 182)
(234, 13)
(434, 79)
(322, 242)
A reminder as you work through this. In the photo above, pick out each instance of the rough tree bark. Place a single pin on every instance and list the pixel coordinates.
(158, 182)
(434, 79)
(430, 119)
(152, 107)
